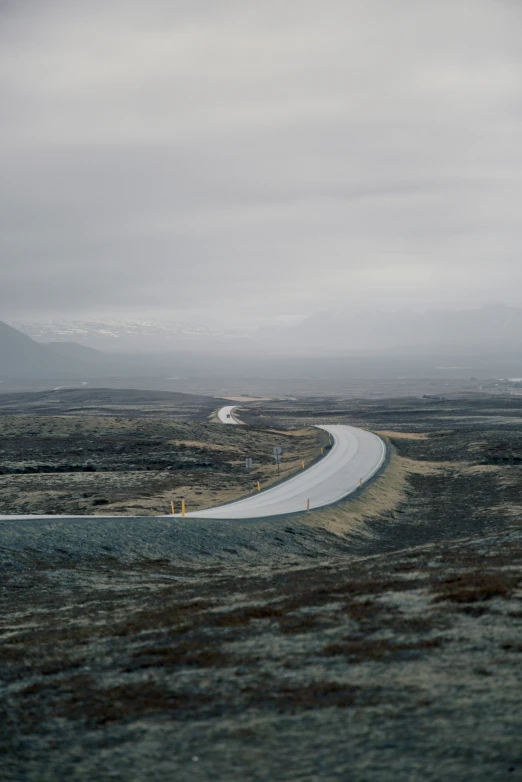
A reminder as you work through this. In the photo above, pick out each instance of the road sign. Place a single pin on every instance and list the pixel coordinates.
(248, 465)
(277, 456)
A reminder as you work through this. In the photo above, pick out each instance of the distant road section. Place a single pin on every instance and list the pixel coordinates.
(356, 456)
(225, 415)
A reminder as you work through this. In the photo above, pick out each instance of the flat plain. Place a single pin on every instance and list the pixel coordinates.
(377, 639)
(129, 453)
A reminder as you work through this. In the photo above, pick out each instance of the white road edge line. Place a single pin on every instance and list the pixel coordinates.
(297, 502)
(283, 487)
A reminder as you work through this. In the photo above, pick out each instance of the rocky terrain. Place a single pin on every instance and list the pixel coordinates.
(377, 639)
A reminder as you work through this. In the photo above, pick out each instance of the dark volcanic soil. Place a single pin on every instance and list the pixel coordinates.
(125, 460)
(392, 650)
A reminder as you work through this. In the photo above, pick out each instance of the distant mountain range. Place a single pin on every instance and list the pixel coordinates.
(498, 327)
(485, 342)
(139, 336)
(353, 329)
(21, 357)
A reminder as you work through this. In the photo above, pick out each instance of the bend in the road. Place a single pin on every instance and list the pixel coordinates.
(354, 459)
(225, 415)
(356, 456)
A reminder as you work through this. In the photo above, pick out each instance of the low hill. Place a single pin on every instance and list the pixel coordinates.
(490, 328)
(79, 352)
(109, 401)
(20, 356)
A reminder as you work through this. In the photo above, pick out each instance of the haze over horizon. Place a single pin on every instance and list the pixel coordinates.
(249, 164)
(479, 331)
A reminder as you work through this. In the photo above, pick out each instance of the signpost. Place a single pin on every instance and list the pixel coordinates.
(248, 465)
(277, 456)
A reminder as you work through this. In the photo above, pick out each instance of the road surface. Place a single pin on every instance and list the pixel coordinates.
(355, 455)
(225, 415)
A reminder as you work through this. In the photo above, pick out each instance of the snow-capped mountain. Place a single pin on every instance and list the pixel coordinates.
(131, 335)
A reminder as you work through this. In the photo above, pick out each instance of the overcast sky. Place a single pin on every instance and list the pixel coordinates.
(241, 161)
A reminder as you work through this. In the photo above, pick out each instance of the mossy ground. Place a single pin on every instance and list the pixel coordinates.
(377, 640)
(85, 464)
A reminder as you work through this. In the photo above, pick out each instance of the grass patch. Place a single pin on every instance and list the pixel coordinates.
(122, 703)
(170, 617)
(473, 587)
(243, 615)
(511, 646)
(295, 625)
(318, 695)
(186, 654)
(378, 649)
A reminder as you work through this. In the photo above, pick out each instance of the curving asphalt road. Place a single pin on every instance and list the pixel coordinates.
(356, 455)
(225, 415)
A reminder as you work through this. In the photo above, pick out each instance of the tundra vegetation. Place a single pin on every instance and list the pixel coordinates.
(377, 639)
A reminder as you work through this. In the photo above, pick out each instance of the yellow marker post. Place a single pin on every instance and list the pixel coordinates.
(360, 483)
(258, 486)
(302, 464)
(308, 505)
(172, 508)
(182, 509)
(322, 451)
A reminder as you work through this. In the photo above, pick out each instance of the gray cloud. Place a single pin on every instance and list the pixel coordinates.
(249, 160)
